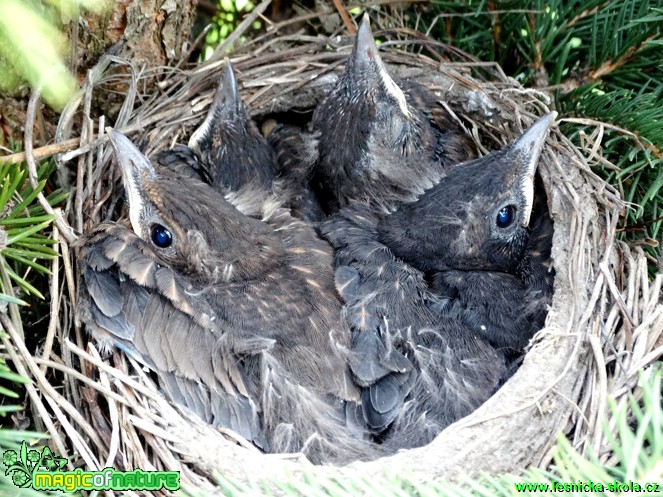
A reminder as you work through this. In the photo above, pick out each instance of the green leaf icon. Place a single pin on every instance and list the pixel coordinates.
(24, 454)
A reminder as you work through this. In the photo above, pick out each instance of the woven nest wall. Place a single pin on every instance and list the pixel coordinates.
(604, 326)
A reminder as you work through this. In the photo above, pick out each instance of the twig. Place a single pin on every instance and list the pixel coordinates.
(114, 417)
(74, 145)
(34, 395)
(112, 371)
(55, 298)
(617, 296)
(194, 45)
(344, 15)
(62, 225)
(42, 152)
(601, 392)
(87, 132)
(106, 391)
(54, 398)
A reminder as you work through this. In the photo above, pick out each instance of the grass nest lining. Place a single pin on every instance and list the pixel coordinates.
(604, 326)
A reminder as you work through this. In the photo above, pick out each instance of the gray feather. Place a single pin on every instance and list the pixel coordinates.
(104, 289)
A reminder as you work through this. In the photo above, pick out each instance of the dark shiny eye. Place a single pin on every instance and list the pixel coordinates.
(161, 236)
(506, 216)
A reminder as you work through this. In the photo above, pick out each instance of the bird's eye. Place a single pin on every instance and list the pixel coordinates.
(161, 236)
(505, 216)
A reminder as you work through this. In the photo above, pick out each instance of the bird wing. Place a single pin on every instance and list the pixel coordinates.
(147, 310)
(257, 381)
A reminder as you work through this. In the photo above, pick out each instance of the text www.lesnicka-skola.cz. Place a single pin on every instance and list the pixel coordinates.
(589, 486)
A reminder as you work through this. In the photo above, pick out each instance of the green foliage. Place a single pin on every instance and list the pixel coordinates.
(11, 440)
(8, 375)
(638, 156)
(23, 247)
(637, 442)
(602, 60)
(225, 21)
(32, 46)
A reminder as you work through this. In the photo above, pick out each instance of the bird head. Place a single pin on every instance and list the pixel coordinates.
(366, 70)
(188, 225)
(367, 109)
(477, 217)
(227, 105)
(228, 142)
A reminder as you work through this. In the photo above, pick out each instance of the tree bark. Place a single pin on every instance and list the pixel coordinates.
(153, 31)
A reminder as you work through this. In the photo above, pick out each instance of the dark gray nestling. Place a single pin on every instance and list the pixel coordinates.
(379, 140)
(441, 293)
(238, 317)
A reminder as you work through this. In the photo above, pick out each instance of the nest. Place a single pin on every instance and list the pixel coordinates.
(604, 325)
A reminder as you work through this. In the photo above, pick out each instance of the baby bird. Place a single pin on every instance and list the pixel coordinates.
(228, 143)
(379, 141)
(420, 370)
(237, 316)
(474, 237)
(438, 293)
(184, 162)
(227, 150)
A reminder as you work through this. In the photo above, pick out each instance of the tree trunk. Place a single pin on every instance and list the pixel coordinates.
(154, 31)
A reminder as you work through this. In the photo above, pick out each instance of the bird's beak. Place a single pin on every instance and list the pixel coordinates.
(365, 57)
(136, 169)
(227, 105)
(526, 151)
(228, 91)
